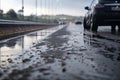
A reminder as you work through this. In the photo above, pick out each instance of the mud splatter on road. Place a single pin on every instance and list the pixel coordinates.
(69, 54)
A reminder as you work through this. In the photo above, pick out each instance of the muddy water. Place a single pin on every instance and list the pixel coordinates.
(14, 47)
(69, 54)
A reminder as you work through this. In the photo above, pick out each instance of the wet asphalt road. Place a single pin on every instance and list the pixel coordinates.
(71, 53)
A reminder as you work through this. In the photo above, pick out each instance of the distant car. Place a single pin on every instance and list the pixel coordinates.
(78, 22)
(61, 22)
(102, 13)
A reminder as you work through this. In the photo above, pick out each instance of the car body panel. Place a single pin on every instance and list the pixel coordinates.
(107, 12)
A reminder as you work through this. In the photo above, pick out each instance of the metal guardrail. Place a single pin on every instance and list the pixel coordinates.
(15, 22)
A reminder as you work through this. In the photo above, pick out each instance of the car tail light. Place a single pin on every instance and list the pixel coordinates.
(99, 5)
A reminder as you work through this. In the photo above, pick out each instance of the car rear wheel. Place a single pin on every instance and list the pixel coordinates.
(94, 26)
(86, 26)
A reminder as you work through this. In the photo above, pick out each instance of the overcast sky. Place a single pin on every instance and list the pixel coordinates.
(70, 7)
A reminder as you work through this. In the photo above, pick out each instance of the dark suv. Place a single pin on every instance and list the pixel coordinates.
(102, 13)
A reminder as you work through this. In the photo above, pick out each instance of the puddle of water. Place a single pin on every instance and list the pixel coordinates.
(15, 47)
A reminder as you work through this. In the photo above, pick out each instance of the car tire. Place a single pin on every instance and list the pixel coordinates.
(86, 26)
(94, 26)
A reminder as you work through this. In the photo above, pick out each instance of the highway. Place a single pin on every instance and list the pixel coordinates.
(65, 53)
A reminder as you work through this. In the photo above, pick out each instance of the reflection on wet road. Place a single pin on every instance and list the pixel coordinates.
(71, 53)
(13, 47)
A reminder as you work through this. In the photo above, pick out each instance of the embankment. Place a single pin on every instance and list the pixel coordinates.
(7, 31)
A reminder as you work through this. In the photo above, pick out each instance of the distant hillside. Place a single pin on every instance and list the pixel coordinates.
(62, 16)
(67, 16)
